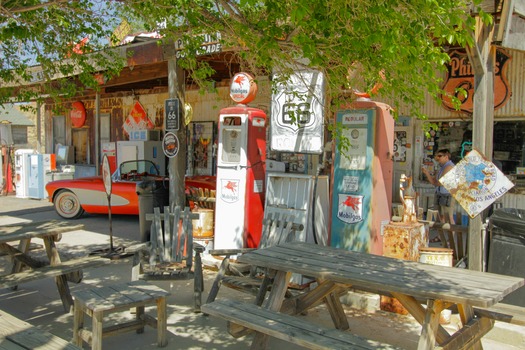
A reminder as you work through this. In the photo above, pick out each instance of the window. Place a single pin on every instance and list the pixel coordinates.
(508, 146)
(19, 134)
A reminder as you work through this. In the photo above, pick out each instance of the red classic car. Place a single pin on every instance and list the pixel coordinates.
(72, 197)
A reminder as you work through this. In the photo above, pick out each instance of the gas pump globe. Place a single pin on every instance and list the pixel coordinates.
(239, 206)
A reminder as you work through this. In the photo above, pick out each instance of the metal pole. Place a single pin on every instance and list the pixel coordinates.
(97, 133)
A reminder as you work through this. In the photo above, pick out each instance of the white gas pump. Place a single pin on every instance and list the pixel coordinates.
(240, 169)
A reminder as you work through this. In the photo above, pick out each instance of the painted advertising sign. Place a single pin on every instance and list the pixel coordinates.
(460, 75)
(230, 190)
(137, 119)
(170, 145)
(210, 44)
(243, 88)
(78, 114)
(350, 208)
(475, 183)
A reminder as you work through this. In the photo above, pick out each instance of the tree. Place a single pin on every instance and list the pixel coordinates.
(400, 44)
(41, 41)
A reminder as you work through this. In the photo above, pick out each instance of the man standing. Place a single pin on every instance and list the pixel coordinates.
(444, 200)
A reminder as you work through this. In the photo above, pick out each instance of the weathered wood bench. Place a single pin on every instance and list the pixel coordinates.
(504, 313)
(288, 328)
(50, 232)
(276, 229)
(16, 334)
(48, 271)
(97, 302)
(168, 255)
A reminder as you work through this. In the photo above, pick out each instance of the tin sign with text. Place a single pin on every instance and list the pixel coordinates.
(172, 114)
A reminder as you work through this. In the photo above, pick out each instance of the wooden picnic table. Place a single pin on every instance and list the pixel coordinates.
(49, 232)
(16, 334)
(412, 283)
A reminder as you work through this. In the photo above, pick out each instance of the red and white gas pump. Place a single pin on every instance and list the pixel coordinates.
(241, 157)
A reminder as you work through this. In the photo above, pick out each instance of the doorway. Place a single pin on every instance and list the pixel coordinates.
(81, 144)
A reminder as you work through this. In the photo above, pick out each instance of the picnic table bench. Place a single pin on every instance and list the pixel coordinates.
(335, 269)
(17, 334)
(50, 232)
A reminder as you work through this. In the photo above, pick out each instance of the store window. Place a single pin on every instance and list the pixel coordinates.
(59, 131)
(19, 134)
(456, 136)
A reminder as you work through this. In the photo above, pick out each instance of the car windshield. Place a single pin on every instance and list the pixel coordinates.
(143, 167)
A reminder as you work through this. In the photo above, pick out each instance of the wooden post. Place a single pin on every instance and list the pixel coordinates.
(177, 164)
(482, 56)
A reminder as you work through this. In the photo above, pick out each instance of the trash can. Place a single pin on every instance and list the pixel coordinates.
(152, 194)
(507, 248)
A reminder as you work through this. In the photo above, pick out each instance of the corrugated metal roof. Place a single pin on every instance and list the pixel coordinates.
(10, 113)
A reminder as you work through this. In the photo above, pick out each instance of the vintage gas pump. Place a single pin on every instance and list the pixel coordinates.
(241, 159)
(362, 177)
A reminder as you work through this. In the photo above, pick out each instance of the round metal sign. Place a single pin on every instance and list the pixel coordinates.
(170, 144)
(106, 174)
(243, 88)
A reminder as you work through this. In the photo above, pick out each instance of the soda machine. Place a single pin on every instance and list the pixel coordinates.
(239, 207)
(139, 150)
(22, 172)
(362, 177)
(109, 149)
(40, 165)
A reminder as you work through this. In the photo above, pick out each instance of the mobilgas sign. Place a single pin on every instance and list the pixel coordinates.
(210, 44)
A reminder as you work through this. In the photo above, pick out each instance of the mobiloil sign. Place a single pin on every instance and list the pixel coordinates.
(362, 177)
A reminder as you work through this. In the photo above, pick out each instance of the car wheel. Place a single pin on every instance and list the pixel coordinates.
(67, 205)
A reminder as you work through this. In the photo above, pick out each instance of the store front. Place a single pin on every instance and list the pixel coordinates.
(417, 141)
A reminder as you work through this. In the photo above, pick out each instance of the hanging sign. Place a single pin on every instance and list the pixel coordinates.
(171, 114)
(475, 183)
(170, 144)
(77, 114)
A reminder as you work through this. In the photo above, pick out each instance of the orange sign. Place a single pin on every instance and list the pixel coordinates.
(137, 119)
(77, 114)
(460, 75)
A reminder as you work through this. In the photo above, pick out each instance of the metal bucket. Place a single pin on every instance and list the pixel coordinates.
(203, 226)
(436, 256)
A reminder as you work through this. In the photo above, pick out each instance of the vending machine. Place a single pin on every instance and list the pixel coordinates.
(109, 149)
(239, 206)
(22, 172)
(39, 166)
(139, 150)
(362, 177)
